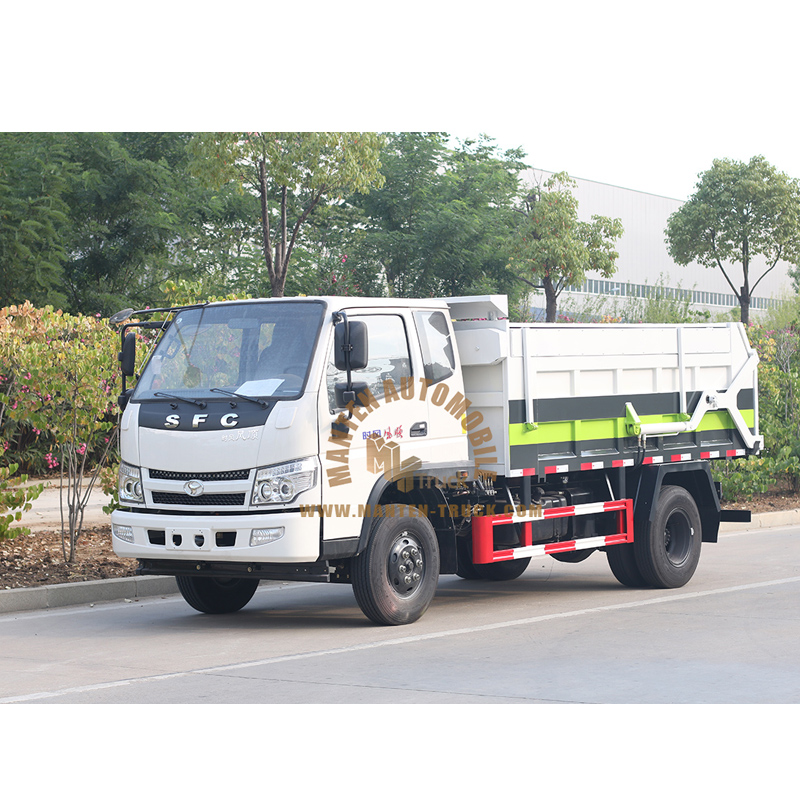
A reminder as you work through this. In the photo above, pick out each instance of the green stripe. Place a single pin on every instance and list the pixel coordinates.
(581, 429)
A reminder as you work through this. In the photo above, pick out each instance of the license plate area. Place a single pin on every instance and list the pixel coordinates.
(192, 539)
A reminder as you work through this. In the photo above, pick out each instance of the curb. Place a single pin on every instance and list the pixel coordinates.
(58, 595)
(70, 594)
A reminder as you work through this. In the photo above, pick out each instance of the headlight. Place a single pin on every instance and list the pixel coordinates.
(283, 482)
(130, 484)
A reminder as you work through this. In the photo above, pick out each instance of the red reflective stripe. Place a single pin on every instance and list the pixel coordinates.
(527, 534)
(559, 547)
(483, 540)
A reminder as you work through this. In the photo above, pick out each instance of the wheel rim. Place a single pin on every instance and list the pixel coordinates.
(678, 537)
(406, 565)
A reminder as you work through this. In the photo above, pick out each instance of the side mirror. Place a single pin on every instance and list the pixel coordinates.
(356, 348)
(127, 356)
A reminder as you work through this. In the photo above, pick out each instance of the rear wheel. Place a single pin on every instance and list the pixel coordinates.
(216, 595)
(668, 552)
(622, 561)
(395, 577)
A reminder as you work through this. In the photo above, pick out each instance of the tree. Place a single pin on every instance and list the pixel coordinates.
(440, 224)
(33, 216)
(127, 218)
(290, 173)
(737, 212)
(554, 249)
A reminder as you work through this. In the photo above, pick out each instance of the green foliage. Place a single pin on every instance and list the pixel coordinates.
(290, 174)
(185, 292)
(92, 222)
(33, 217)
(554, 248)
(15, 499)
(123, 210)
(779, 419)
(440, 224)
(59, 367)
(738, 211)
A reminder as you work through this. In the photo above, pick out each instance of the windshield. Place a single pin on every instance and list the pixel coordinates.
(254, 349)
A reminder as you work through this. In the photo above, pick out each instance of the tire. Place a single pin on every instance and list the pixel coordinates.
(667, 553)
(572, 556)
(395, 577)
(216, 595)
(502, 570)
(622, 561)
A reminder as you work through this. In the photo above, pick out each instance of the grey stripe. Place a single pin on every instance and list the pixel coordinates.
(562, 409)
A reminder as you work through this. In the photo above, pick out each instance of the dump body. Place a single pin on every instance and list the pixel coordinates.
(570, 398)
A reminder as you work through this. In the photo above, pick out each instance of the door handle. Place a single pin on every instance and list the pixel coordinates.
(419, 429)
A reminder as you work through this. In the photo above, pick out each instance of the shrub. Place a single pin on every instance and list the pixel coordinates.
(14, 500)
(58, 369)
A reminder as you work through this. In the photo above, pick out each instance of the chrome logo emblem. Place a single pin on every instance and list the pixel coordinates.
(193, 488)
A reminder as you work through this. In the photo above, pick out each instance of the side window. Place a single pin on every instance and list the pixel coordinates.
(388, 356)
(437, 349)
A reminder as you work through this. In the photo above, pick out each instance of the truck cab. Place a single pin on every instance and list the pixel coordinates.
(242, 451)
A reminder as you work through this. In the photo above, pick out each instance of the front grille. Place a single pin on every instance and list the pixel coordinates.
(233, 475)
(170, 498)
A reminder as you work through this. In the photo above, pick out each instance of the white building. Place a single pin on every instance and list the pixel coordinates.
(643, 257)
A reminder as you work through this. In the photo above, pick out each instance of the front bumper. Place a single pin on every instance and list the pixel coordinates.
(221, 539)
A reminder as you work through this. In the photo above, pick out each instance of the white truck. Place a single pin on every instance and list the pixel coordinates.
(385, 442)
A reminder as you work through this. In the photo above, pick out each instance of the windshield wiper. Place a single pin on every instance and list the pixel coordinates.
(262, 403)
(200, 403)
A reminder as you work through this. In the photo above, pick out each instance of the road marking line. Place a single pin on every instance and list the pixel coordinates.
(422, 637)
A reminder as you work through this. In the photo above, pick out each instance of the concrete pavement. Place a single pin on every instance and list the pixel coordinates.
(45, 515)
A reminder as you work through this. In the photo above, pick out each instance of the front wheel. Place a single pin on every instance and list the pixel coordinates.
(395, 577)
(668, 552)
(216, 595)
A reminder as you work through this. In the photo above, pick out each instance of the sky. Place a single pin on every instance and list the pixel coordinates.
(639, 95)
(646, 96)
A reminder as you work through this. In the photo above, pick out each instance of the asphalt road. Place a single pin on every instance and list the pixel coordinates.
(560, 634)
